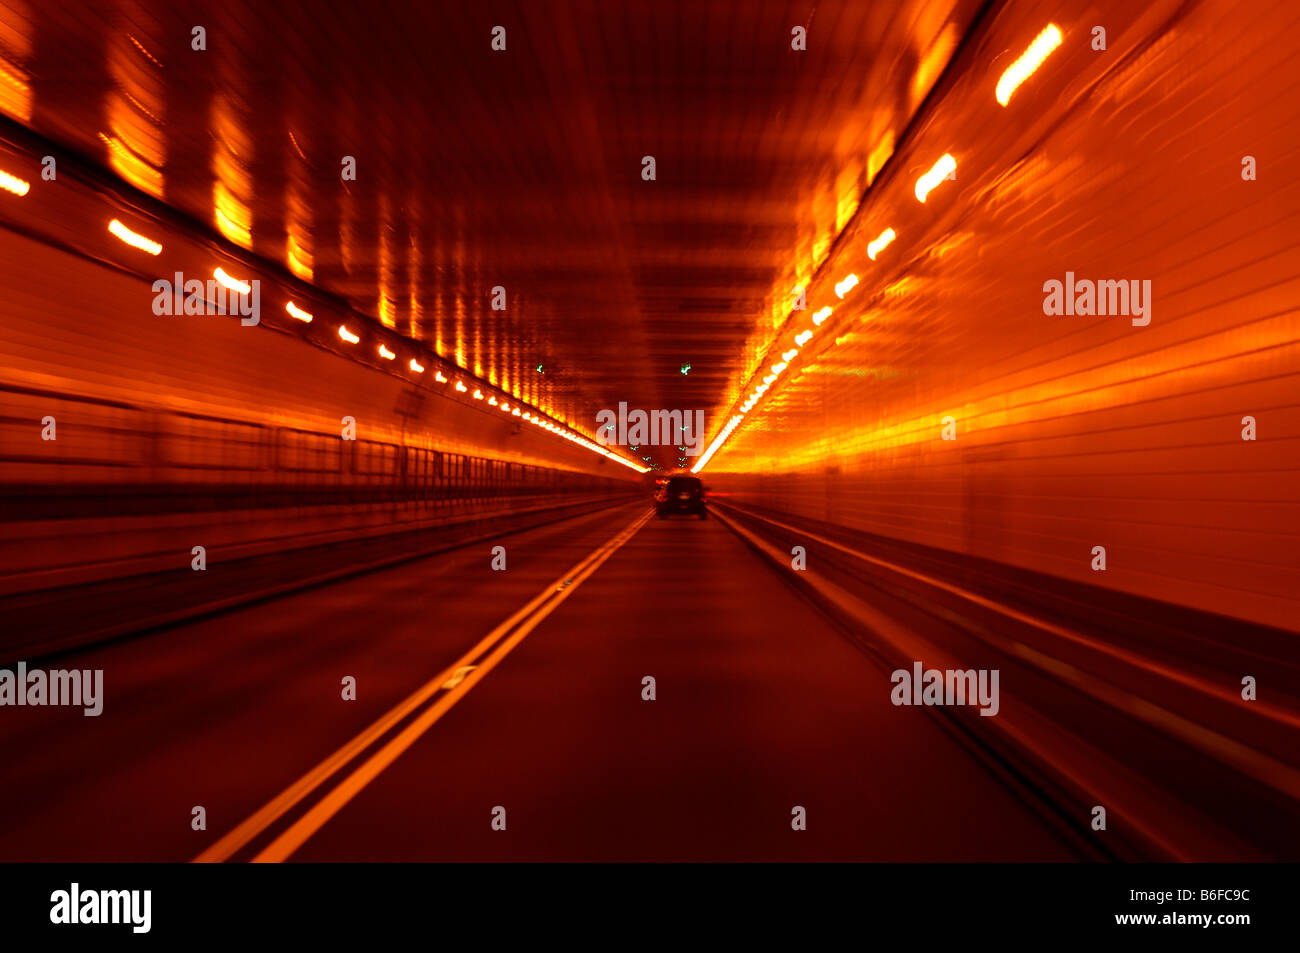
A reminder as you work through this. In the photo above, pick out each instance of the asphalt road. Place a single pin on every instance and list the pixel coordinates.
(524, 710)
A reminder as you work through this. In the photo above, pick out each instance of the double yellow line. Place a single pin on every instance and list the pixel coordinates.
(453, 683)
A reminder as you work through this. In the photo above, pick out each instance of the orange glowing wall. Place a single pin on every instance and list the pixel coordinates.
(1073, 432)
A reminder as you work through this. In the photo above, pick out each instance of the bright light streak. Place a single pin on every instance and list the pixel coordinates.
(438, 376)
(880, 243)
(478, 394)
(134, 239)
(233, 217)
(803, 337)
(11, 183)
(461, 387)
(717, 442)
(845, 286)
(299, 261)
(298, 312)
(347, 335)
(385, 353)
(790, 355)
(417, 366)
(234, 284)
(493, 400)
(821, 316)
(1028, 63)
(945, 167)
(571, 437)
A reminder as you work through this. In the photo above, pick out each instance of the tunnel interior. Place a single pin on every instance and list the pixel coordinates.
(357, 370)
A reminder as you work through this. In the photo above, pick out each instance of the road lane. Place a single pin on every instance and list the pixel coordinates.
(761, 707)
(225, 712)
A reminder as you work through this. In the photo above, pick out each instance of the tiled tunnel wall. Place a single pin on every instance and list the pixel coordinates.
(1073, 431)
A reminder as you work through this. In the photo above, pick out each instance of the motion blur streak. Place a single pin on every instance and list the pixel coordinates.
(134, 239)
(134, 106)
(1042, 423)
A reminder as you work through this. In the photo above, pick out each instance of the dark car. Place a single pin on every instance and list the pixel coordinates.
(681, 495)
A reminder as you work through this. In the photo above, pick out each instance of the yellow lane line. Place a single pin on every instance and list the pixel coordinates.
(264, 817)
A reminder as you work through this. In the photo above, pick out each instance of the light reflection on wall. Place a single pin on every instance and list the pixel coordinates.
(848, 187)
(458, 265)
(439, 308)
(347, 229)
(880, 154)
(134, 104)
(509, 356)
(387, 311)
(15, 50)
(862, 151)
(298, 244)
(938, 48)
(349, 131)
(479, 308)
(296, 145)
(458, 333)
(229, 120)
(232, 186)
(414, 244)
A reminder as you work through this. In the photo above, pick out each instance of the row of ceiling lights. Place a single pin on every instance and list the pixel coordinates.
(943, 169)
(19, 187)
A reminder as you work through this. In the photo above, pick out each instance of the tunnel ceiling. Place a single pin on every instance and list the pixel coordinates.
(522, 168)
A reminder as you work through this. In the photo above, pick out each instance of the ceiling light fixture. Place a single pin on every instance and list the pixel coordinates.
(1024, 67)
